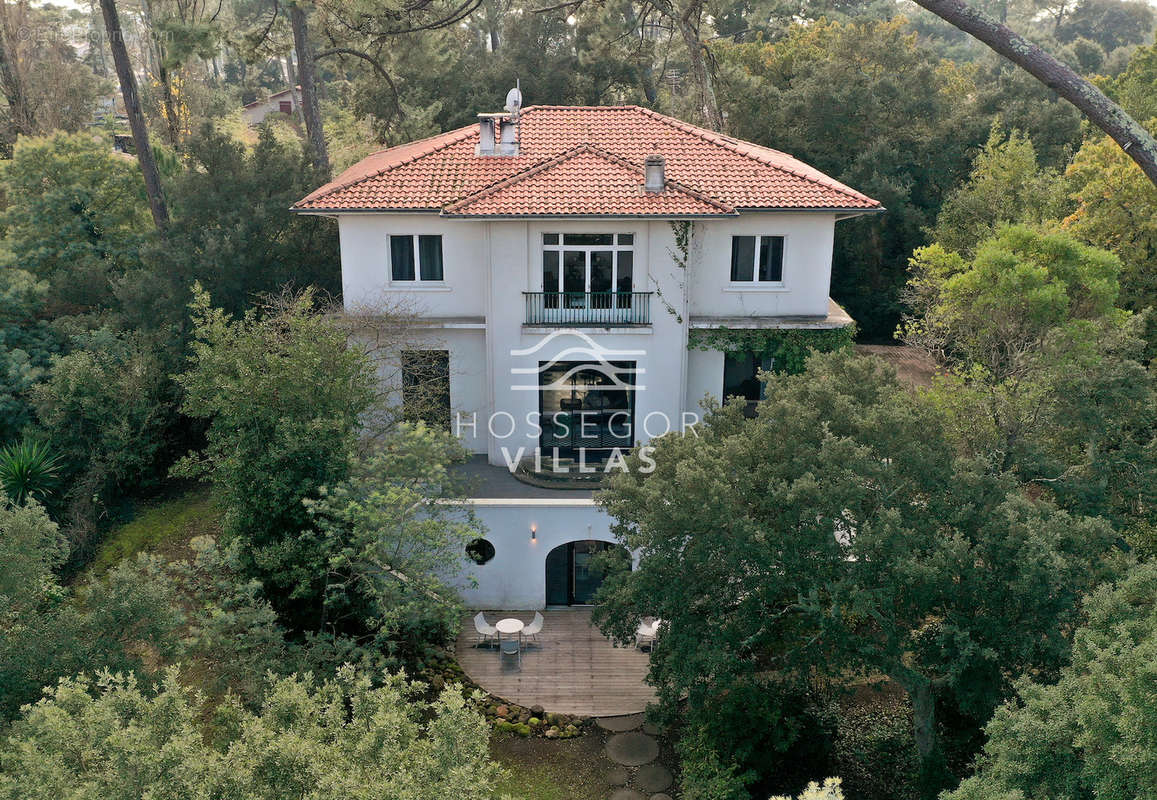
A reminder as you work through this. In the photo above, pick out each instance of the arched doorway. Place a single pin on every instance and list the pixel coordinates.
(572, 574)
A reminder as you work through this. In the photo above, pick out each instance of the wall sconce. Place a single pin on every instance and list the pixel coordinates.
(533, 532)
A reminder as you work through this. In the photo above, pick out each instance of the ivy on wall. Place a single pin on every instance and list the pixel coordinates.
(787, 348)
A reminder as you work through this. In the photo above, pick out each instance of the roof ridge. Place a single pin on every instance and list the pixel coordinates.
(726, 141)
(567, 155)
(449, 138)
(517, 177)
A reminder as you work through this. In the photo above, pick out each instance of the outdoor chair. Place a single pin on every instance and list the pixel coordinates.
(510, 647)
(486, 631)
(532, 630)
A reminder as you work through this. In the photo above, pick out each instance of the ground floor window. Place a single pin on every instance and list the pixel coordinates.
(426, 387)
(587, 407)
(741, 376)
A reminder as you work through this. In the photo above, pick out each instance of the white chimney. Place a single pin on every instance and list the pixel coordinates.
(656, 169)
(485, 135)
(508, 145)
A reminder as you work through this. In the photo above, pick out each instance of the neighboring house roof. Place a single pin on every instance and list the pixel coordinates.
(584, 161)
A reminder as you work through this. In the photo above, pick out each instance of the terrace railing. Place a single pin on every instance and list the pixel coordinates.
(588, 308)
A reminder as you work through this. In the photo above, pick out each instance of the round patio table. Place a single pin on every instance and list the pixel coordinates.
(510, 627)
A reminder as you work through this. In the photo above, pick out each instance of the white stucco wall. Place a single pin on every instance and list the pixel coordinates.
(704, 377)
(515, 579)
(807, 266)
(256, 114)
(478, 310)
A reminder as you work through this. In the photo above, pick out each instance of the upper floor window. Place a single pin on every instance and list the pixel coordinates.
(757, 259)
(428, 252)
(584, 263)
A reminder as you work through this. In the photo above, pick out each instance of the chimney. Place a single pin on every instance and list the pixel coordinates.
(656, 168)
(508, 145)
(485, 135)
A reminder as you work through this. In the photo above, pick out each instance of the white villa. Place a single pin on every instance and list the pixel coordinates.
(562, 261)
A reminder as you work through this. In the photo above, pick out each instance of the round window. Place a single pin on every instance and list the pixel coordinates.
(480, 551)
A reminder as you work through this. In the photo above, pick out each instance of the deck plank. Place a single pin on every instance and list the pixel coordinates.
(573, 669)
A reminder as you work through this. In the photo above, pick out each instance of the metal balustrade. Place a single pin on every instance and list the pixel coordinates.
(588, 308)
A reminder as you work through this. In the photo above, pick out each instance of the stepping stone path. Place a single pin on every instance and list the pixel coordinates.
(627, 722)
(630, 747)
(628, 794)
(653, 778)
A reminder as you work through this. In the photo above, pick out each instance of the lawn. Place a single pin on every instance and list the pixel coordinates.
(545, 769)
(165, 527)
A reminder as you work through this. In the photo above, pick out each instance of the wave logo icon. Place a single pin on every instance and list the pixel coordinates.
(584, 356)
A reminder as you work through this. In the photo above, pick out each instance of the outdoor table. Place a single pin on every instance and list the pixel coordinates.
(510, 627)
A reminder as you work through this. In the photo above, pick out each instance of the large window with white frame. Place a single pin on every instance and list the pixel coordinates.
(416, 257)
(588, 270)
(757, 260)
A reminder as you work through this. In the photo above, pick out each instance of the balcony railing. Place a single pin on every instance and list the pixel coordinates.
(588, 308)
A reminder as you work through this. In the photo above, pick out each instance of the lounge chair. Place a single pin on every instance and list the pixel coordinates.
(510, 647)
(486, 632)
(532, 630)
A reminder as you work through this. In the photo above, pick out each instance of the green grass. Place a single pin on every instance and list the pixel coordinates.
(544, 769)
(165, 527)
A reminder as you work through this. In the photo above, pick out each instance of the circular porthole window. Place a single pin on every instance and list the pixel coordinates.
(480, 551)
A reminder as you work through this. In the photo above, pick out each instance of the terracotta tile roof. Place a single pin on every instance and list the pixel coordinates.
(563, 183)
(583, 160)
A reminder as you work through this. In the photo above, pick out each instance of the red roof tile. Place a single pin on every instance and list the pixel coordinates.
(583, 160)
(563, 183)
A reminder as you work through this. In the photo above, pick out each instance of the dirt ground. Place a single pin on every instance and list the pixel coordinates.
(912, 365)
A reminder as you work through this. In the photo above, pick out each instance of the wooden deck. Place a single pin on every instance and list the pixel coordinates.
(573, 669)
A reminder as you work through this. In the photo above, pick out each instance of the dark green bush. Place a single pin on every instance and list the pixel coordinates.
(874, 750)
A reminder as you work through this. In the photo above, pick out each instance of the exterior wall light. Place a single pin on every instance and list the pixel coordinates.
(533, 532)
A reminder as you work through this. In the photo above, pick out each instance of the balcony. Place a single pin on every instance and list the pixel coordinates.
(603, 309)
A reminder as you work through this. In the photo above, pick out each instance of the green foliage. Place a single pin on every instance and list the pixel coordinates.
(28, 471)
(1020, 287)
(107, 738)
(839, 504)
(1089, 734)
(106, 407)
(874, 752)
(75, 217)
(788, 348)
(1110, 23)
(868, 104)
(1117, 210)
(283, 394)
(31, 547)
(1135, 89)
(231, 229)
(128, 616)
(830, 790)
(1006, 186)
(26, 345)
(1046, 377)
(395, 543)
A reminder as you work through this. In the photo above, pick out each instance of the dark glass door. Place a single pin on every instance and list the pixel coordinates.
(572, 577)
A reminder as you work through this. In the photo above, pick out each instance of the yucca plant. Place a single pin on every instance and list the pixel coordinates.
(28, 471)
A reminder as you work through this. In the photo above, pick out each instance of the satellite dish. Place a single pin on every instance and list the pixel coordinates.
(514, 100)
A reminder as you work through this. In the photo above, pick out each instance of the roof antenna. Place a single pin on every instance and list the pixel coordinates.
(514, 99)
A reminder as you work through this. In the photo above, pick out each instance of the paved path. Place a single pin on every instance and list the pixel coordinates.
(573, 669)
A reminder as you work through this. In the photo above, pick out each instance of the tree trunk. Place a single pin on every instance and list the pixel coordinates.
(172, 116)
(1137, 142)
(689, 28)
(11, 77)
(306, 70)
(128, 82)
(923, 718)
